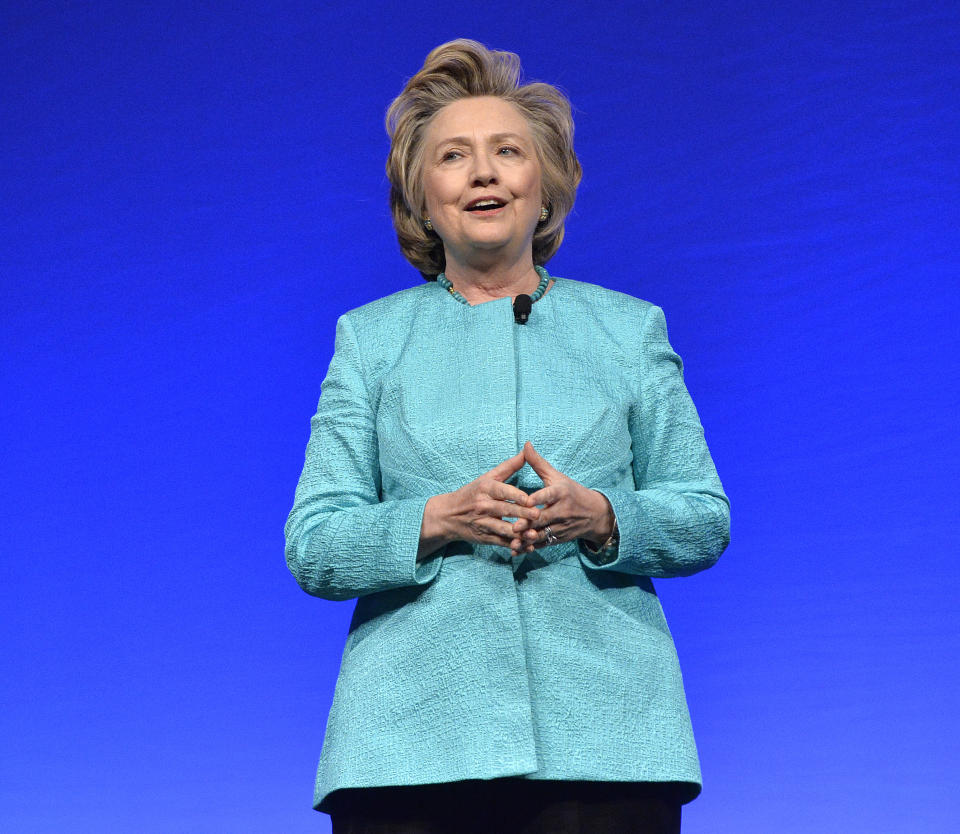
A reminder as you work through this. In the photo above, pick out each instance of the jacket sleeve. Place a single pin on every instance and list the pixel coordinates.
(677, 520)
(342, 541)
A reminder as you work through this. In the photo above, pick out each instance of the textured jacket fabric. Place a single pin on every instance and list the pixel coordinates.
(473, 665)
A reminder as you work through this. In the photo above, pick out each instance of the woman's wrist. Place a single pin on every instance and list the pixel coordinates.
(606, 523)
(432, 528)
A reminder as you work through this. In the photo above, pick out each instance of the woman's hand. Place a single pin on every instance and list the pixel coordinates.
(475, 512)
(570, 510)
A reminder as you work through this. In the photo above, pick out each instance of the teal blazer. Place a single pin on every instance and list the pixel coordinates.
(472, 665)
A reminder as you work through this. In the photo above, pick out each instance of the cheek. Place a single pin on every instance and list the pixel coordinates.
(533, 184)
(429, 192)
(437, 191)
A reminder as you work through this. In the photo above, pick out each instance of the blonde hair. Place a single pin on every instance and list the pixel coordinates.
(464, 69)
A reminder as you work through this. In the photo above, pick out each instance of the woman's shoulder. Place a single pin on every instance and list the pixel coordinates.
(397, 308)
(613, 305)
(381, 329)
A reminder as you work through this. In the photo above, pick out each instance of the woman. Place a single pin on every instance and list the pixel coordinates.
(498, 495)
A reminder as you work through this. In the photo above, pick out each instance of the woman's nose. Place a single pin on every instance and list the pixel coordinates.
(484, 171)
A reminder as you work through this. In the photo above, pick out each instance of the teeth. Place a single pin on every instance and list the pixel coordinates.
(485, 204)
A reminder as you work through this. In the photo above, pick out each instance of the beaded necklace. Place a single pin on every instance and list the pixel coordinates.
(537, 294)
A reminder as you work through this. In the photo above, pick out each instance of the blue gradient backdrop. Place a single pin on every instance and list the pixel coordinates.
(190, 193)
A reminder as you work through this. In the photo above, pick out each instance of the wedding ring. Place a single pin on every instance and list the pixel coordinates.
(551, 539)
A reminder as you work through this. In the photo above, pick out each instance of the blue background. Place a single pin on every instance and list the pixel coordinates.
(190, 193)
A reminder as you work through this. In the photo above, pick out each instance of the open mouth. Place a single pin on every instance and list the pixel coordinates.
(485, 204)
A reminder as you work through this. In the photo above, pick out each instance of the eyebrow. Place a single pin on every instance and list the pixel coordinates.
(465, 140)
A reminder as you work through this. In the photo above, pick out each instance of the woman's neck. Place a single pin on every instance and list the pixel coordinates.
(478, 284)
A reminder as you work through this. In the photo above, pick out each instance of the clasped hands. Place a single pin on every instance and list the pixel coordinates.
(477, 511)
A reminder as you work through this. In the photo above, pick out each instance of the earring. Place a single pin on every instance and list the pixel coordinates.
(428, 225)
(544, 213)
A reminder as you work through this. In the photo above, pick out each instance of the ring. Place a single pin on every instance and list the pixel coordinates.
(551, 539)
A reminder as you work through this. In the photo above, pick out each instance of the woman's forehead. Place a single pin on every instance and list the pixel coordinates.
(483, 117)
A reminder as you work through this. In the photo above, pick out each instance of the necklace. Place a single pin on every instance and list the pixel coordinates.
(537, 294)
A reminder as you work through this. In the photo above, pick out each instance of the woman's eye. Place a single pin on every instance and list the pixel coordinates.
(450, 155)
(507, 151)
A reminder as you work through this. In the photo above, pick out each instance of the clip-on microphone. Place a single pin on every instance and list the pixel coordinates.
(522, 305)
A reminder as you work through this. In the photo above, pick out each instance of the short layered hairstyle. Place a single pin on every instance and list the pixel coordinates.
(465, 69)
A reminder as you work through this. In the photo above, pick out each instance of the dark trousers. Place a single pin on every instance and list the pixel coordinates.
(511, 806)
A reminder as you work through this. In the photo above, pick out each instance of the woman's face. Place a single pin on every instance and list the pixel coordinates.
(481, 181)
